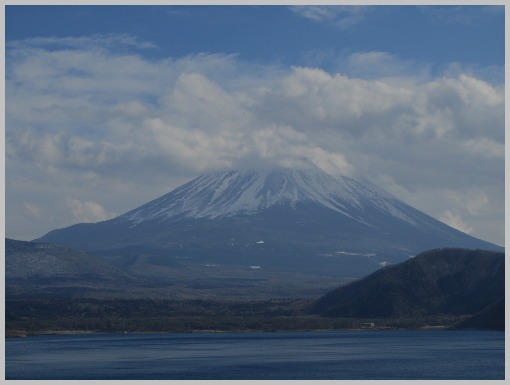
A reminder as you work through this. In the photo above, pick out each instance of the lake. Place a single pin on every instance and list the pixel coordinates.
(332, 355)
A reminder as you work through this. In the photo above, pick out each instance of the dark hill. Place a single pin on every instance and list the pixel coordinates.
(29, 259)
(36, 268)
(443, 281)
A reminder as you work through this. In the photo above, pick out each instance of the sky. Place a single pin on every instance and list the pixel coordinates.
(108, 107)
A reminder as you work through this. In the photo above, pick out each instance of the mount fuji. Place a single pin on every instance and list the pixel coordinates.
(282, 220)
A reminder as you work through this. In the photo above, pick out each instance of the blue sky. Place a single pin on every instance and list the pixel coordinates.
(108, 107)
(286, 35)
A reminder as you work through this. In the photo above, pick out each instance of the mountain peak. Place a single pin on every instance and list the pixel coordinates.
(234, 192)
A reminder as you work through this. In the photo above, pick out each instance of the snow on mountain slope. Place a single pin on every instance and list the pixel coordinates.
(229, 193)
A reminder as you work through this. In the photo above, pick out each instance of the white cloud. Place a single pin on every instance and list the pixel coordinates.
(32, 210)
(376, 65)
(454, 220)
(485, 147)
(474, 200)
(87, 211)
(461, 14)
(94, 42)
(114, 130)
(343, 17)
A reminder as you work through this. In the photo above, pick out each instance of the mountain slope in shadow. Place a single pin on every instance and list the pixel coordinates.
(436, 282)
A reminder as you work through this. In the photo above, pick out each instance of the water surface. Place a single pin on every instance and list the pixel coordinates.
(376, 355)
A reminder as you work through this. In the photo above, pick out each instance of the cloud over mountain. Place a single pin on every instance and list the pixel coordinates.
(120, 128)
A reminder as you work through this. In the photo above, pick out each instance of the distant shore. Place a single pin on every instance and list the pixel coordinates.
(25, 334)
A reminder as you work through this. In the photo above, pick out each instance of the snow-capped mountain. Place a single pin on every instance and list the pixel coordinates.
(234, 192)
(300, 220)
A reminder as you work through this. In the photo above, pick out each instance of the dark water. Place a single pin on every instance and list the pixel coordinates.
(260, 356)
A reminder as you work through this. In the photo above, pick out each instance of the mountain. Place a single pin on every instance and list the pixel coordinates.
(44, 268)
(285, 220)
(436, 282)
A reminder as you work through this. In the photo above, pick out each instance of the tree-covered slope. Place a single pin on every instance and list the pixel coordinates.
(443, 281)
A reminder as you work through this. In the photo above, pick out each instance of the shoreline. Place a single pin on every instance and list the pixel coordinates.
(27, 334)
